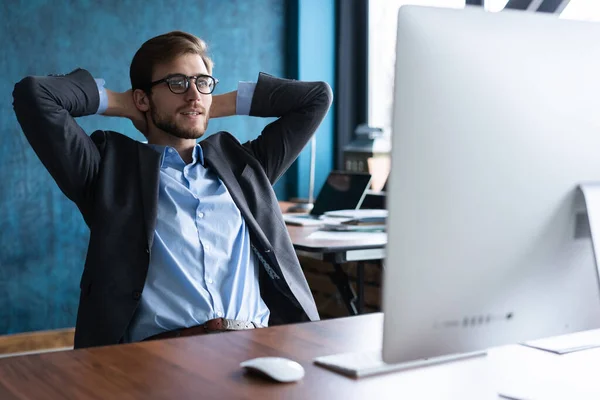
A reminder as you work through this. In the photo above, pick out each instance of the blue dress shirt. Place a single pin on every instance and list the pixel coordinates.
(201, 265)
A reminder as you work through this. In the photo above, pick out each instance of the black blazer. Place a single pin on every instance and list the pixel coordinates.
(113, 180)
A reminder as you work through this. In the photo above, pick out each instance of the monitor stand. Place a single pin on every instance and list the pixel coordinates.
(588, 208)
(361, 364)
(587, 225)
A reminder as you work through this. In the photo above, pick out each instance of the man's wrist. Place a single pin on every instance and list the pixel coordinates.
(103, 105)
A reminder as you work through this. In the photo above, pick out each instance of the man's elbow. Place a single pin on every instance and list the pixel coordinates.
(24, 92)
(325, 95)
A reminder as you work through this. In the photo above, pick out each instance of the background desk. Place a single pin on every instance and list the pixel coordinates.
(338, 252)
(335, 251)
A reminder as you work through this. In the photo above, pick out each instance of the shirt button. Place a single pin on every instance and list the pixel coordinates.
(200, 214)
(170, 150)
(209, 280)
(207, 248)
(136, 295)
(219, 314)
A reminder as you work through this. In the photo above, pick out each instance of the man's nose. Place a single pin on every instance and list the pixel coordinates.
(193, 93)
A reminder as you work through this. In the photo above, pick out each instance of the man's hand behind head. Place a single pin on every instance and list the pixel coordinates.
(122, 105)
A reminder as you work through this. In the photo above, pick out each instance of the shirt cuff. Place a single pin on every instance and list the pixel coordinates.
(103, 96)
(243, 101)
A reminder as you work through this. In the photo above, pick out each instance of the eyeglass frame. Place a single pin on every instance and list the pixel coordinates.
(187, 78)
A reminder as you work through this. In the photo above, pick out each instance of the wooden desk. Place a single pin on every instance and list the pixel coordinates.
(206, 367)
(201, 367)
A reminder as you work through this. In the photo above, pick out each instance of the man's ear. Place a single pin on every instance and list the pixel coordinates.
(141, 100)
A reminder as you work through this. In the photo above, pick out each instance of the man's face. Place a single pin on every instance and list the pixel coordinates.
(181, 115)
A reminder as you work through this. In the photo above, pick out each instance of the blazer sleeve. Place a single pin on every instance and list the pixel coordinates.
(45, 108)
(300, 107)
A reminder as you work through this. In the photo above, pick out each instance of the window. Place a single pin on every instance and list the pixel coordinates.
(585, 10)
(382, 42)
(383, 16)
(495, 5)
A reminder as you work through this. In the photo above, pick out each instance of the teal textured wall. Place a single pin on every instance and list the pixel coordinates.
(312, 58)
(42, 236)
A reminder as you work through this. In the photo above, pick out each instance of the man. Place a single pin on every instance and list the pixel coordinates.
(185, 237)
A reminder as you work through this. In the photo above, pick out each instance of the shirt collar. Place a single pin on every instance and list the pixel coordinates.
(165, 155)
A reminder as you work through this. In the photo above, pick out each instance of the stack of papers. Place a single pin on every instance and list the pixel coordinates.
(345, 227)
(358, 221)
(324, 235)
(358, 214)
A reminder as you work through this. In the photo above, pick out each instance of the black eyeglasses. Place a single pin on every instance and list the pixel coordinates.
(180, 83)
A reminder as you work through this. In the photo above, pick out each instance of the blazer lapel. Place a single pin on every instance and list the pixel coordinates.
(149, 163)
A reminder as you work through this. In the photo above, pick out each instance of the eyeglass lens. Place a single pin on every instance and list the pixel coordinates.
(180, 84)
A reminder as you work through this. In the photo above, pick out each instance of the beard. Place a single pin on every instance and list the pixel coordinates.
(168, 125)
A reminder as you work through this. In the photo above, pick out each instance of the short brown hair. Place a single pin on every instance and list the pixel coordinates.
(164, 49)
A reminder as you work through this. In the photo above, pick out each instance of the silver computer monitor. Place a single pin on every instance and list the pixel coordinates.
(496, 122)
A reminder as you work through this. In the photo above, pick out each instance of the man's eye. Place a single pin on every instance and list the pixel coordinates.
(180, 83)
(203, 83)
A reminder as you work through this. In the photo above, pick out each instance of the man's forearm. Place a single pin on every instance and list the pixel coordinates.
(119, 104)
(223, 105)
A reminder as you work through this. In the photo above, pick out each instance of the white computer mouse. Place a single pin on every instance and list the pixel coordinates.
(277, 368)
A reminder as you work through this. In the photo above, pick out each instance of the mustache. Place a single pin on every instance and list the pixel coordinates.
(198, 109)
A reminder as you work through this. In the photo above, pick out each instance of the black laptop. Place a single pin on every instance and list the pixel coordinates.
(341, 191)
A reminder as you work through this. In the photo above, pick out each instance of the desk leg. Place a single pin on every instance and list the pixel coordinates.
(360, 287)
(341, 281)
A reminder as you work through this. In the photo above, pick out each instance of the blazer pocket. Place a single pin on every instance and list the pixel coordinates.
(247, 174)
